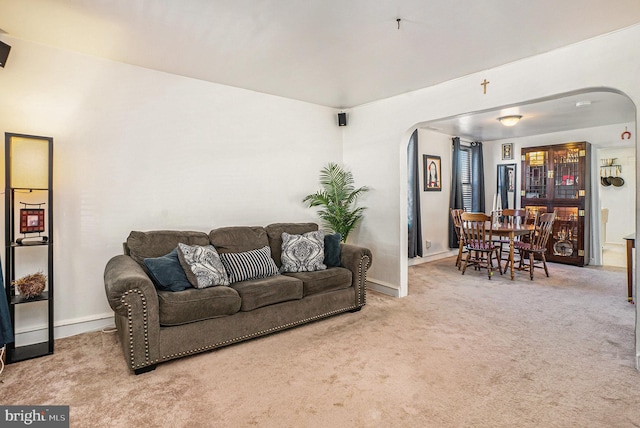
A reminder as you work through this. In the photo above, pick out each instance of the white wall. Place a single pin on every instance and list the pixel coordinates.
(620, 201)
(136, 149)
(434, 203)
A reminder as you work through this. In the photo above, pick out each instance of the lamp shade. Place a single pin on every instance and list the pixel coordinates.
(29, 159)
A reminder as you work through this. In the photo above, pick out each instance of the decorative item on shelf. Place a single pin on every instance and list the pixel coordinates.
(31, 221)
(563, 248)
(31, 286)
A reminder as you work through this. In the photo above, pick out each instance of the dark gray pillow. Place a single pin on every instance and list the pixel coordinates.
(332, 250)
(167, 273)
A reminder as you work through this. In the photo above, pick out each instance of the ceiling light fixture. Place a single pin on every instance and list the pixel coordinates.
(510, 120)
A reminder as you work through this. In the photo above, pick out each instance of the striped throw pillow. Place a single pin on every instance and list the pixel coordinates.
(249, 264)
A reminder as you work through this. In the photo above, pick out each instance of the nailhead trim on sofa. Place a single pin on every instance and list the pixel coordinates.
(362, 297)
(145, 327)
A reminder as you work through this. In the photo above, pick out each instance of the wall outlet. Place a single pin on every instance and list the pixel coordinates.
(428, 243)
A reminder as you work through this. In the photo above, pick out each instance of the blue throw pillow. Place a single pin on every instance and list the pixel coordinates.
(332, 250)
(167, 273)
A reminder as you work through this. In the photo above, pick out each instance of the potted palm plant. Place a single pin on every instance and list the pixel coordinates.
(338, 200)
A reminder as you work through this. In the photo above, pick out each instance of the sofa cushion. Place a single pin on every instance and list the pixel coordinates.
(166, 272)
(238, 239)
(202, 265)
(141, 245)
(252, 264)
(321, 281)
(194, 305)
(274, 232)
(302, 253)
(267, 291)
(332, 250)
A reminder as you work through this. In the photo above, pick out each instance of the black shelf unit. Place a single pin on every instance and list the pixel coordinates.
(14, 249)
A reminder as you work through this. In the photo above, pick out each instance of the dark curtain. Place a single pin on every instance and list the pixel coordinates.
(503, 186)
(6, 332)
(455, 198)
(477, 178)
(413, 211)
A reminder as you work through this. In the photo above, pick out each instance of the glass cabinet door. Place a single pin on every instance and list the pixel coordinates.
(567, 173)
(535, 175)
(567, 233)
(534, 211)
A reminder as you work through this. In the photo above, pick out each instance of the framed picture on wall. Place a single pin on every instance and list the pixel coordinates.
(432, 173)
(507, 151)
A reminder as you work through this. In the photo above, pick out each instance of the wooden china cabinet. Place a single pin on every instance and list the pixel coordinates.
(557, 178)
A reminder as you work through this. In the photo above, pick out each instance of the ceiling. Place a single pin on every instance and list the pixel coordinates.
(571, 111)
(330, 52)
(334, 53)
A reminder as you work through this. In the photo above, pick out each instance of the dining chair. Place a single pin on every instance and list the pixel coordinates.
(534, 251)
(457, 222)
(477, 231)
(510, 216)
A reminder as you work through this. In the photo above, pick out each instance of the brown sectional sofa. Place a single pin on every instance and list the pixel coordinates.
(156, 325)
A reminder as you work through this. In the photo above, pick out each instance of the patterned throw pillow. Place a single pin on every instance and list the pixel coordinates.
(202, 265)
(249, 264)
(303, 253)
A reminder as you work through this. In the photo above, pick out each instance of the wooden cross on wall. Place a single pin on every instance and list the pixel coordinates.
(485, 83)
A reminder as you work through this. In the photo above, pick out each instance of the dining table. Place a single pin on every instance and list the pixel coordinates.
(511, 230)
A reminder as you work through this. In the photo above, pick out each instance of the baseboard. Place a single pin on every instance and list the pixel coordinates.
(64, 328)
(382, 287)
(432, 257)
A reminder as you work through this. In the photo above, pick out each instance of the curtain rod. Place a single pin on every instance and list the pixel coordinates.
(466, 141)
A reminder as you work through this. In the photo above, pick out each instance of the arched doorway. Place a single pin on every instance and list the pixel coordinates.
(597, 115)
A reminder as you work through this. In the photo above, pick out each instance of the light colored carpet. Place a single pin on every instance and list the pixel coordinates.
(460, 351)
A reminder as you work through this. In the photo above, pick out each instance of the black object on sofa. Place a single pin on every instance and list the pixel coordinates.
(159, 325)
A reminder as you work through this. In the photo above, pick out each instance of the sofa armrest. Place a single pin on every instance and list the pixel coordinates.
(134, 299)
(123, 275)
(358, 260)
